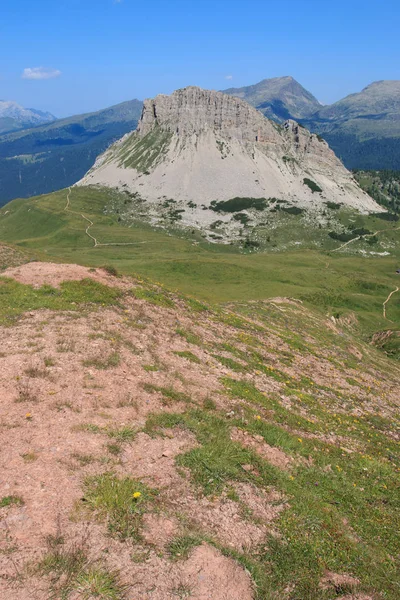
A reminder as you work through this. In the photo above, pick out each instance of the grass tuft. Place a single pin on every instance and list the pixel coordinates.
(123, 434)
(119, 502)
(111, 270)
(168, 393)
(189, 356)
(189, 336)
(154, 297)
(11, 501)
(100, 363)
(71, 574)
(180, 547)
(97, 582)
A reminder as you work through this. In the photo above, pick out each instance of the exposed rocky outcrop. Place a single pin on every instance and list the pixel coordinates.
(193, 110)
(199, 146)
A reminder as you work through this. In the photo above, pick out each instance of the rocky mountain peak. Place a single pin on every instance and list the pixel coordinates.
(380, 98)
(198, 147)
(193, 110)
(278, 98)
(383, 85)
(11, 109)
(13, 116)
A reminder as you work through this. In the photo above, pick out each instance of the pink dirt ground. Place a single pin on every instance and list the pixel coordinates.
(51, 390)
(53, 274)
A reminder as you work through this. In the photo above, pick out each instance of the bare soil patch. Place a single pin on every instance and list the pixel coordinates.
(38, 274)
(338, 581)
(159, 529)
(257, 443)
(265, 505)
(212, 576)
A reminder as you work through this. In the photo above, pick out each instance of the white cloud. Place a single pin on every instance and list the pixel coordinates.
(40, 73)
(228, 76)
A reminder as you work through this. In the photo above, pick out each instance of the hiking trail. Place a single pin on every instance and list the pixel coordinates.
(367, 235)
(96, 243)
(387, 300)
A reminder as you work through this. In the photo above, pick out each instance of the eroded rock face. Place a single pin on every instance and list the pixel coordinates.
(201, 146)
(192, 110)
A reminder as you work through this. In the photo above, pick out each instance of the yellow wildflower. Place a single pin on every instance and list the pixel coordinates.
(136, 495)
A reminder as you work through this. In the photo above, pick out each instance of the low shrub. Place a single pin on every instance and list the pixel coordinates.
(333, 205)
(238, 204)
(293, 210)
(314, 187)
(342, 237)
(387, 216)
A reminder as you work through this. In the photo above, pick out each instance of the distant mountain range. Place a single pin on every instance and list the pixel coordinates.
(14, 117)
(279, 98)
(52, 156)
(363, 129)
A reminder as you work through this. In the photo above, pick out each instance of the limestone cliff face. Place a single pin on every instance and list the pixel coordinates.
(201, 146)
(193, 110)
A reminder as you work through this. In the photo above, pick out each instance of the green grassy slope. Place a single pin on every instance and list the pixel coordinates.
(337, 283)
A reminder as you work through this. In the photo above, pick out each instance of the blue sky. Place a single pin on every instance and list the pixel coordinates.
(101, 52)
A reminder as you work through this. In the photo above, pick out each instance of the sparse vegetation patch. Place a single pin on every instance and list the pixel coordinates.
(101, 363)
(16, 298)
(143, 153)
(188, 355)
(293, 210)
(314, 187)
(153, 296)
(70, 572)
(11, 501)
(120, 502)
(333, 205)
(238, 204)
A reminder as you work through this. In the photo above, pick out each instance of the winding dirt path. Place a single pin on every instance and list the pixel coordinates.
(96, 243)
(73, 212)
(387, 300)
(368, 235)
